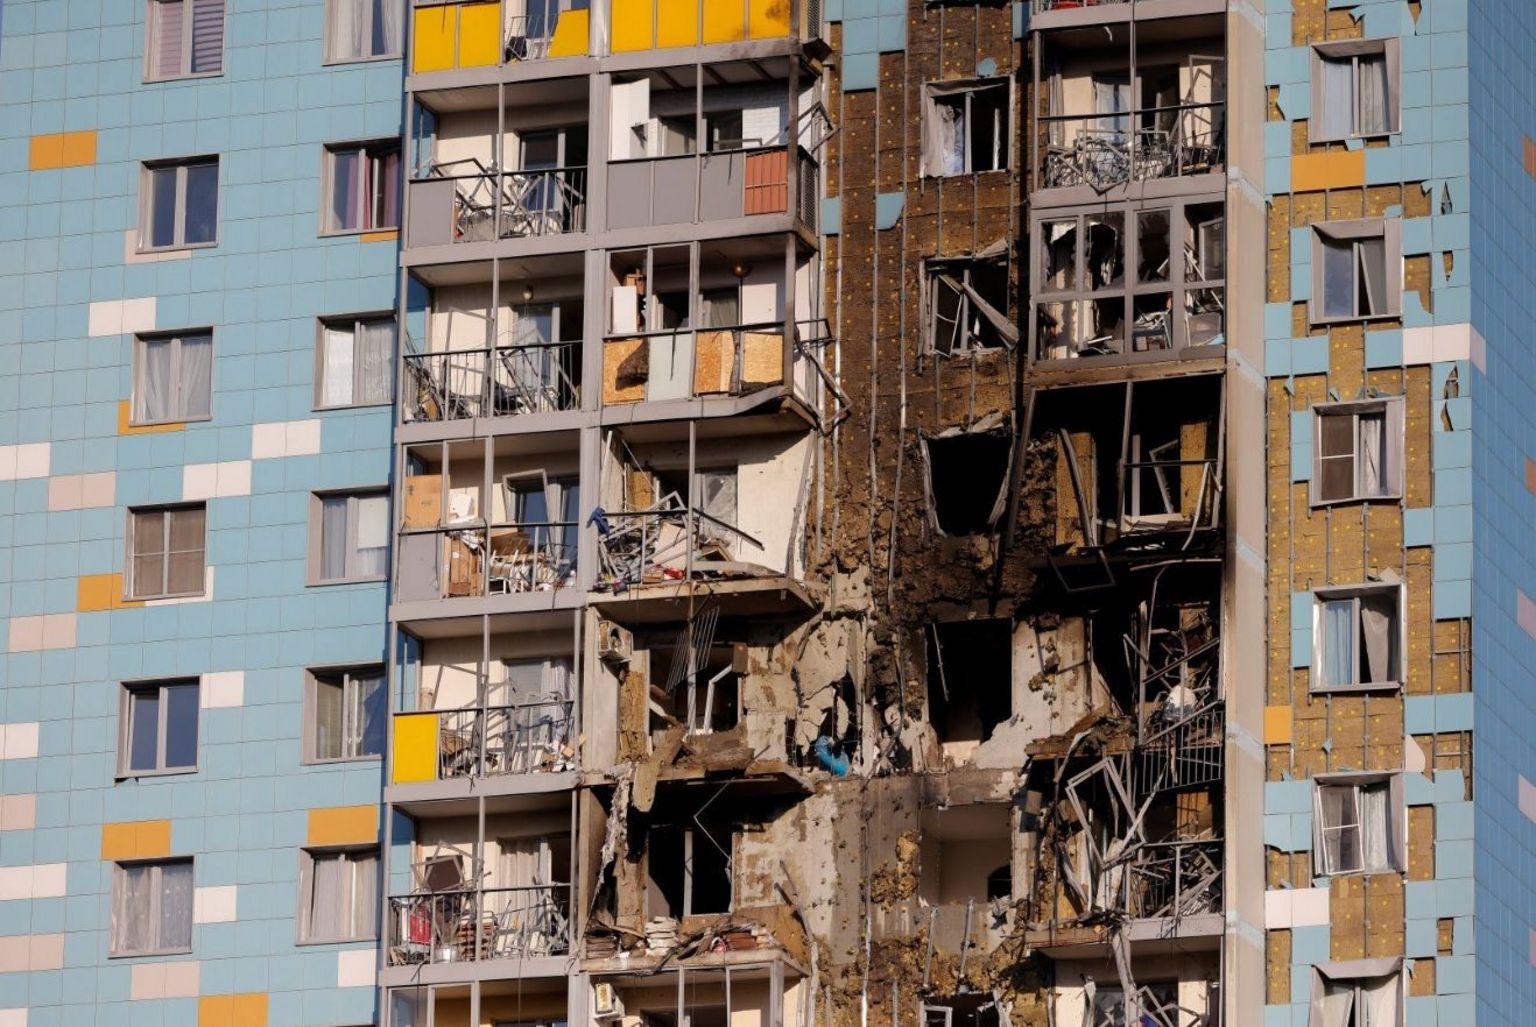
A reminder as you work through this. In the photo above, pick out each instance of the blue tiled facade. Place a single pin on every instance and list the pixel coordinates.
(77, 67)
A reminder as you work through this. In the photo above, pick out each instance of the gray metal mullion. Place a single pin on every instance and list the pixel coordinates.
(179, 229)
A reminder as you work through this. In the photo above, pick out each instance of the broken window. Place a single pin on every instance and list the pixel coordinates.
(1357, 270)
(713, 491)
(970, 682)
(965, 127)
(967, 479)
(1368, 998)
(707, 698)
(688, 870)
(1354, 90)
(1107, 1004)
(1357, 825)
(1357, 642)
(962, 1010)
(1357, 451)
(967, 302)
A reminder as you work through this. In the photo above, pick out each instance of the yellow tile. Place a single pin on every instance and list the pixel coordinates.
(136, 839)
(344, 825)
(125, 427)
(1343, 169)
(1277, 725)
(102, 592)
(62, 150)
(388, 236)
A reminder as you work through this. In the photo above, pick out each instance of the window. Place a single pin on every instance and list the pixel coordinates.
(353, 536)
(158, 732)
(713, 492)
(186, 38)
(966, 127)
(152, 908)
(359, 30)
(1357, 825)
(357, 359)
(172, 377)
(1357, 270)
(166, 549)
(1356, 643)
(180, 204)
(967, 302)
(1357, 451)
(967, 477)
(338, 895)
(1357, 994)
(689, 870)
(1354, 90)
(346, 714)
(1159, 1002)
(362, 187)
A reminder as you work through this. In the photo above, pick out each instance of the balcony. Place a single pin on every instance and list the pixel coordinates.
(532, 378)
(448, 36)
(480, 742)
(465, 201)
(521, 999)
(1104, 152)
(467, 926)
(662, 24)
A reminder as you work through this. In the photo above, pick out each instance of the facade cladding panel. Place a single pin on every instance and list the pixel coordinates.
(129, 429)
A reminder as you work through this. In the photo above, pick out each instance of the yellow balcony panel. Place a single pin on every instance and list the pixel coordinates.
(677, 23)
(768, 19)
(479, 35)
(725, 21)
(571, 34)
(415, 755)
(434, 31)
(632, 21)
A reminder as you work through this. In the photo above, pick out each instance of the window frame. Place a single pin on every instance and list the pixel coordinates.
(1396, 829)
(1342, 971)
(177, 338)
(128, 691)
(151, 23)
(327, 54)
(130, 579)
(348, 673)
(179, 230)
(968, 87)
(328, 152)
(330, 321)
(119, 879)
(1390, 49)
(1321, 597)
(957, 267)
(1390, 232)
(316, 561)
(1392, 410)
(308, 855)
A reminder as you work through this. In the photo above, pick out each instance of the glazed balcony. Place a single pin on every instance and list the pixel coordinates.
(451, 36)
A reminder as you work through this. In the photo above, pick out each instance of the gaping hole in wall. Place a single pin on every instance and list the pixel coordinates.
(688, 869)
(962, 1010)
(967, 472)
(696, 685)
(970, 682)
(966, 855)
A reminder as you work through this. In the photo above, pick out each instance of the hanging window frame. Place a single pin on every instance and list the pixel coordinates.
(351, 574)
(952, 277)
(1389, 411)
(182, 168)
(188, 14)
(355, 323)
(942, 93)
(132, 586)
(1397, 637)
(1395, 830)
(115, 944)
(351, 678)
(1352, 50)
(304, 926)
(178, 341)
(128, 711)
(1357, 235)
(373, 157)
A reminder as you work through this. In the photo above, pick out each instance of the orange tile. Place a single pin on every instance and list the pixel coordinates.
(389, 236)
(216, 1011)
(1530, 475)
(102, 592)
(1277, 725)
(62, 150)
(136, 839)
(250, 1010)
(1315, 171)
(344, 825)
(125, 416)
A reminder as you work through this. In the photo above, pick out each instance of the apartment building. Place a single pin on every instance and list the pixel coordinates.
(768, 513)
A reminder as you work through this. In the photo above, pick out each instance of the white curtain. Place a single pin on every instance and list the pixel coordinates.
(372, 536)
(1373, 275)
(131, 927)
(1375, 110)
(1376, 639)
(326, 890)
(1338, 1004)
(375, 357)
(347, 199)
(329, 697)
(333, 538)
(1113, 98)
(347, 41)
(176, 906)
(196, 376)
(1372, 455)
(1373, 828)
(336, 375)
(948, 138)
(155, 380)
(386, 27)
(364, 895)
(1338, 642)
(1378, 1001)
(371, 714)
(1337, 93)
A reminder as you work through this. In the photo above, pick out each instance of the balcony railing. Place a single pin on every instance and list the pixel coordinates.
(467, 201)
(750, 180)
(478, 742)
(684, 364)
(665, 543)
(533, 378)
(1042, 6)
(1104, 150)
(481, 34)
(440, 563)
(1174, 879)
(1168, 495)
(473, 925)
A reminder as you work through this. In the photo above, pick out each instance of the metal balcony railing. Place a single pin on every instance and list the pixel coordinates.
(473, 925)
(665, 543)
(490, 741)
(479, 561)
(467, 201)
(527, 378)
(1042, 6)
(1174, 879)
(1106, 150)
(1186, 753)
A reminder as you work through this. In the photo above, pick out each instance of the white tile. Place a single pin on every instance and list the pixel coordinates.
(32, 460)
(304, 437)
(26, 634)
(105, 318)
(199, 481)
(18, 741)
(1413, 756)
(223, 689)
(18, 812)
(1277, 909)
(45, 952)
(269, 440)
(1418, 345)
(15, 883)
(1453, 342)
(58, 631)
(215, 905)
(139, 315)
(148, 982)
(1309, 907)
(355, 968)
(13, 1018)
(66, 491)
(48, 880)
(183, 978)
(98, 490)
(234, 478)
(7, 463)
